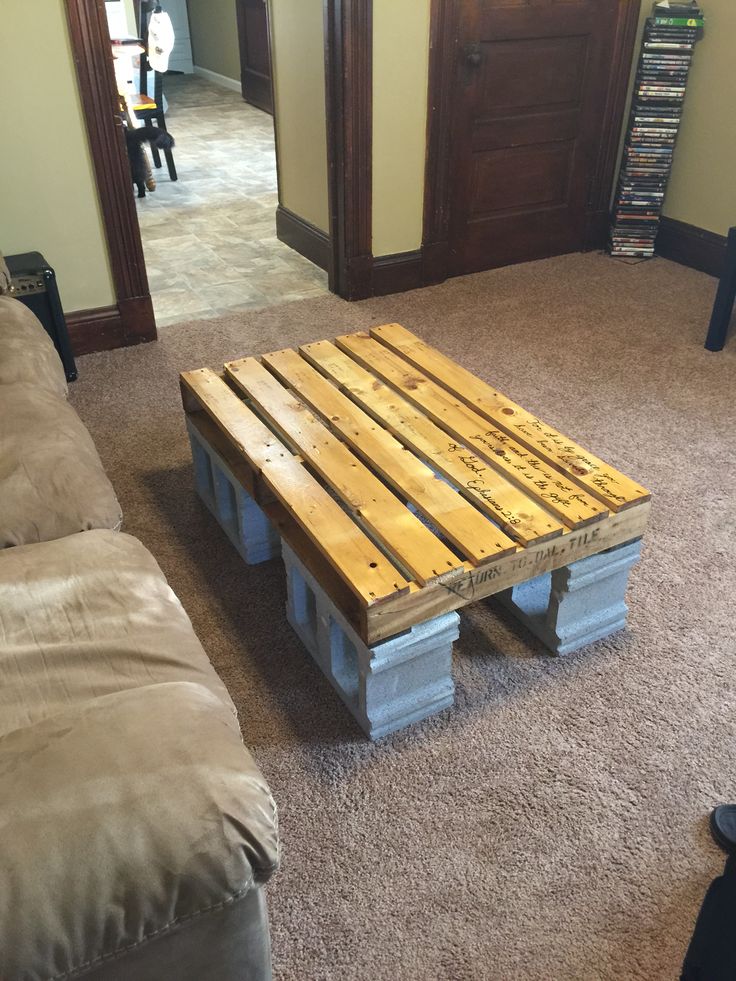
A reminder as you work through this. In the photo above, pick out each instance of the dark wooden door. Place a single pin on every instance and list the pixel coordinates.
(531, 93)
(255, 53)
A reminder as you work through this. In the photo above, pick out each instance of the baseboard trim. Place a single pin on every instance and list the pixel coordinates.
(222, 80)
(691, 246)
(304, 237)
(105, 328)
(139, 323)
(397, 273)
(100, 329)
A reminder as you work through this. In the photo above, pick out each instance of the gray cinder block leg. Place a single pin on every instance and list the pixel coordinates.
(579, 603)
(258, 540)
(243, 521)
(387, 686)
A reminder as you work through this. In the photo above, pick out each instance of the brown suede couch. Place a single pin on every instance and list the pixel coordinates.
(136, 831)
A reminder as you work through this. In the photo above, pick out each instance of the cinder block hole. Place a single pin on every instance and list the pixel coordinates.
(305, 605)
(310, 610)
(532, 597)
(227, 504)
(203, 472)
(344, 661)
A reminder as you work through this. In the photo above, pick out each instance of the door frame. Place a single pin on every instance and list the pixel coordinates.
(346, 252)
(131, 319)
(443, 60)
(348, 29)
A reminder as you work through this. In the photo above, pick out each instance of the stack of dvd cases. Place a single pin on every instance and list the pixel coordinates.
(659, 92)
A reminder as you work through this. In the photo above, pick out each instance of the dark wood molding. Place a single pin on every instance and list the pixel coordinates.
(598, 224)
(596, 232)
(691, 246)
(100, 329)
(398, 273)
(349, 104)
(139, 325)
(302, 236)
(105, 328)
(442, 59)
(98, 93)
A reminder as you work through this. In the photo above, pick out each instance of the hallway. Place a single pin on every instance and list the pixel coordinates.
(210, 238)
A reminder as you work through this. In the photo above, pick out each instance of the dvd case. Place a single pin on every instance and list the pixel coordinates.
(670, 35)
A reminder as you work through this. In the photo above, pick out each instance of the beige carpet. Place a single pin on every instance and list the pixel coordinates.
(552, 825)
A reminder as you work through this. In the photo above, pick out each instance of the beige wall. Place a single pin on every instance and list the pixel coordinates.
(400, 68)
(298, 65)
(702, 190)
(48, 198)
(214, 32)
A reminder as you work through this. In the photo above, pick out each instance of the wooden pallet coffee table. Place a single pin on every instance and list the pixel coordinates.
(398, 488)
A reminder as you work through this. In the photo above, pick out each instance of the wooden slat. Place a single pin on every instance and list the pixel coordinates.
(520, 517)
(279, 516)
(393, 524)
(616, 490)
(570, 503)
(403, 612)
(358, 562)
(469, 530)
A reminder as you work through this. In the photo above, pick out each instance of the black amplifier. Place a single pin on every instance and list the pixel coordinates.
(33, 282)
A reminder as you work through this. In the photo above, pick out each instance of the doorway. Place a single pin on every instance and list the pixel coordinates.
(207, 225)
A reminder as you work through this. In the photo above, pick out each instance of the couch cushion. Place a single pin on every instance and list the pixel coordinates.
(128, 803)
(51, 479)
(27, 353)
(86, 616)
(122, 819)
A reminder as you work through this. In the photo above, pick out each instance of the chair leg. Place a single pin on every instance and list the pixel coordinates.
(156, 155)
(170, 164)
(725, 297)
(161, 122)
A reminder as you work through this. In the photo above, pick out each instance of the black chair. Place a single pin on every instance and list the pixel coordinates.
(725, 297)
(151, 110)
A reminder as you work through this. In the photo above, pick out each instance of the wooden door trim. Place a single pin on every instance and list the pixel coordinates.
(98, 92)
(442, 63)
(349, 107)
(437, 191)
(598, 219)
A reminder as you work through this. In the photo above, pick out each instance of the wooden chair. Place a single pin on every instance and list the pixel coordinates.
(725, 297)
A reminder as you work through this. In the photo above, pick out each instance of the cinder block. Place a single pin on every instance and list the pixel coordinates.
(242, 520)
(579, 603)
(387, 686)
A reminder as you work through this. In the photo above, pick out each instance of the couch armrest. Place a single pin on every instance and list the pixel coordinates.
(27, 353)
(121, 819)
(4, 276)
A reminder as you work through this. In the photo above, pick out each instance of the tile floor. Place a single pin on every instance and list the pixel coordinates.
(210, 238)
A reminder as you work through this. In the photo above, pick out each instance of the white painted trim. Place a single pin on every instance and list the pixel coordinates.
(216, 79)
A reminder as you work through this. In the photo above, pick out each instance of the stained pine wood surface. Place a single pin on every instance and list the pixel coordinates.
(408, 484)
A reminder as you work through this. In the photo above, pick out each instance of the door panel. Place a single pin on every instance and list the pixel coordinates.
(530, 92)
(255, 53)
(520, 177)
(507, 83)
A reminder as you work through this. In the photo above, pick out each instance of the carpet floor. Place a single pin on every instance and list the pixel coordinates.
(551, 826)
